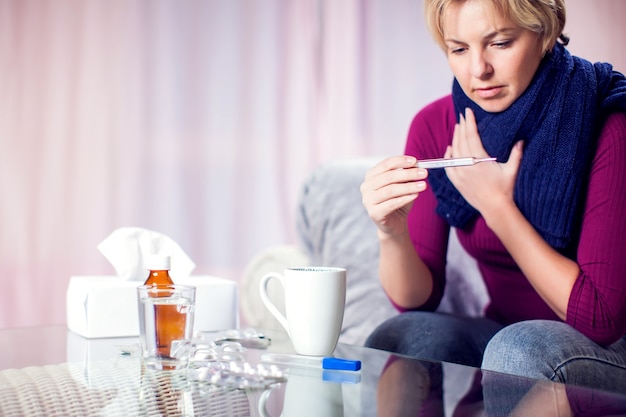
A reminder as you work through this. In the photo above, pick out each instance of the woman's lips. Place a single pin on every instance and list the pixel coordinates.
(488, 92)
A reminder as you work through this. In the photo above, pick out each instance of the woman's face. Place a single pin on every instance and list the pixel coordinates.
(493, 59)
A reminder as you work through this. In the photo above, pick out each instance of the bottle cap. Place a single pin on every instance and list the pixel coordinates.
(156, 262)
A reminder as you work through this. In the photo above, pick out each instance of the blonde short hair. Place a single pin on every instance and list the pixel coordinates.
(544, 17)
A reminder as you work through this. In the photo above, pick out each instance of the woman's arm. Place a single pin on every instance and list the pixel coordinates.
(388, 193)
(589, 293)
(404, 276)
(597, 304)
(413, 238)
(489, 189)
(551, 274)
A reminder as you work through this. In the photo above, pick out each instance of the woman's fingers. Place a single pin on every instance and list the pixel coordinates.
(391, 163)
(474, 144)
(466, 140)
(392, 184)
(393, 170)
(390, 188)
(381, 211)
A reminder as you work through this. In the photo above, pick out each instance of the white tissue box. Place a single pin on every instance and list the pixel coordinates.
(106, 306)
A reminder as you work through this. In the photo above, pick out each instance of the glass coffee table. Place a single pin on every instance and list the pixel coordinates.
(50, 372)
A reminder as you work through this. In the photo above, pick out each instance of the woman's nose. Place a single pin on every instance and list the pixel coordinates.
(480, 66)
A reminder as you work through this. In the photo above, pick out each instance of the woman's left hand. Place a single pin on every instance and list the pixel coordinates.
(488, 185)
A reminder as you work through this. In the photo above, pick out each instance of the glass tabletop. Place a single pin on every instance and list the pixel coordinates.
(49, 371)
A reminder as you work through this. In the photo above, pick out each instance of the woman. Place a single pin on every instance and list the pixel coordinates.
(546, 221)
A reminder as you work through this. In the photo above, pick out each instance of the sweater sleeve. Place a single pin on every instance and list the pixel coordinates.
(597, 304)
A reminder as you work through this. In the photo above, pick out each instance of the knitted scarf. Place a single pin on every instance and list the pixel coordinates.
(558, 117)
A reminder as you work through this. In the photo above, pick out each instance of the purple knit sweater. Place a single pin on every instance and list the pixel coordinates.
(597, 305)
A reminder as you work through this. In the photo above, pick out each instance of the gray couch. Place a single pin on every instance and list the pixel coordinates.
(335, 230)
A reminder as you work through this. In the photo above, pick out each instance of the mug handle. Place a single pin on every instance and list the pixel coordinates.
(262, 403)
(266, 299)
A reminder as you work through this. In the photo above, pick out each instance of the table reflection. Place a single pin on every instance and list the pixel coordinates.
(98, 380)
(410, 387)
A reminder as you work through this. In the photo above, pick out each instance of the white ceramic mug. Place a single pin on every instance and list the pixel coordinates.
(315, 299)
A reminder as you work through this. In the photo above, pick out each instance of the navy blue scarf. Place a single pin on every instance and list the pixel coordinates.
(558, 117)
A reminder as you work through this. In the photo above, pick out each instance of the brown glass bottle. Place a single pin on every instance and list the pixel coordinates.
(169, 322)
(159, 267)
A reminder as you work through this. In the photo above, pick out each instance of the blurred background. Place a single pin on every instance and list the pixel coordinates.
(200, 119)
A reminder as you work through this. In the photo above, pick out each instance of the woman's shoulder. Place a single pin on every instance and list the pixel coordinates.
(432, 129)
(611, 139)
(615, 124)
(436, 116)
(611, 142)
(438, 109)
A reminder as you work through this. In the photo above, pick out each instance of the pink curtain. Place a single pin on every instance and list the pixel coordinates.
(198, 119)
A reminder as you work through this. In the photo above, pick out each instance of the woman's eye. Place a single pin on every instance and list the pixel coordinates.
(457, 51)
(502, 44)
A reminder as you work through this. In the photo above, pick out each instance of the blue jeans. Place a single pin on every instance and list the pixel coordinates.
(435, 336)
(545, 349)
(552, 350)
(539, 349)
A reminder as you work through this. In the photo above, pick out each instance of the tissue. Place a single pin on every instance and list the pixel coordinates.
(127, 249)
(106, 306)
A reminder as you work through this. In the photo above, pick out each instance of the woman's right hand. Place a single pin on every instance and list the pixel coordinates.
(389, 190)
